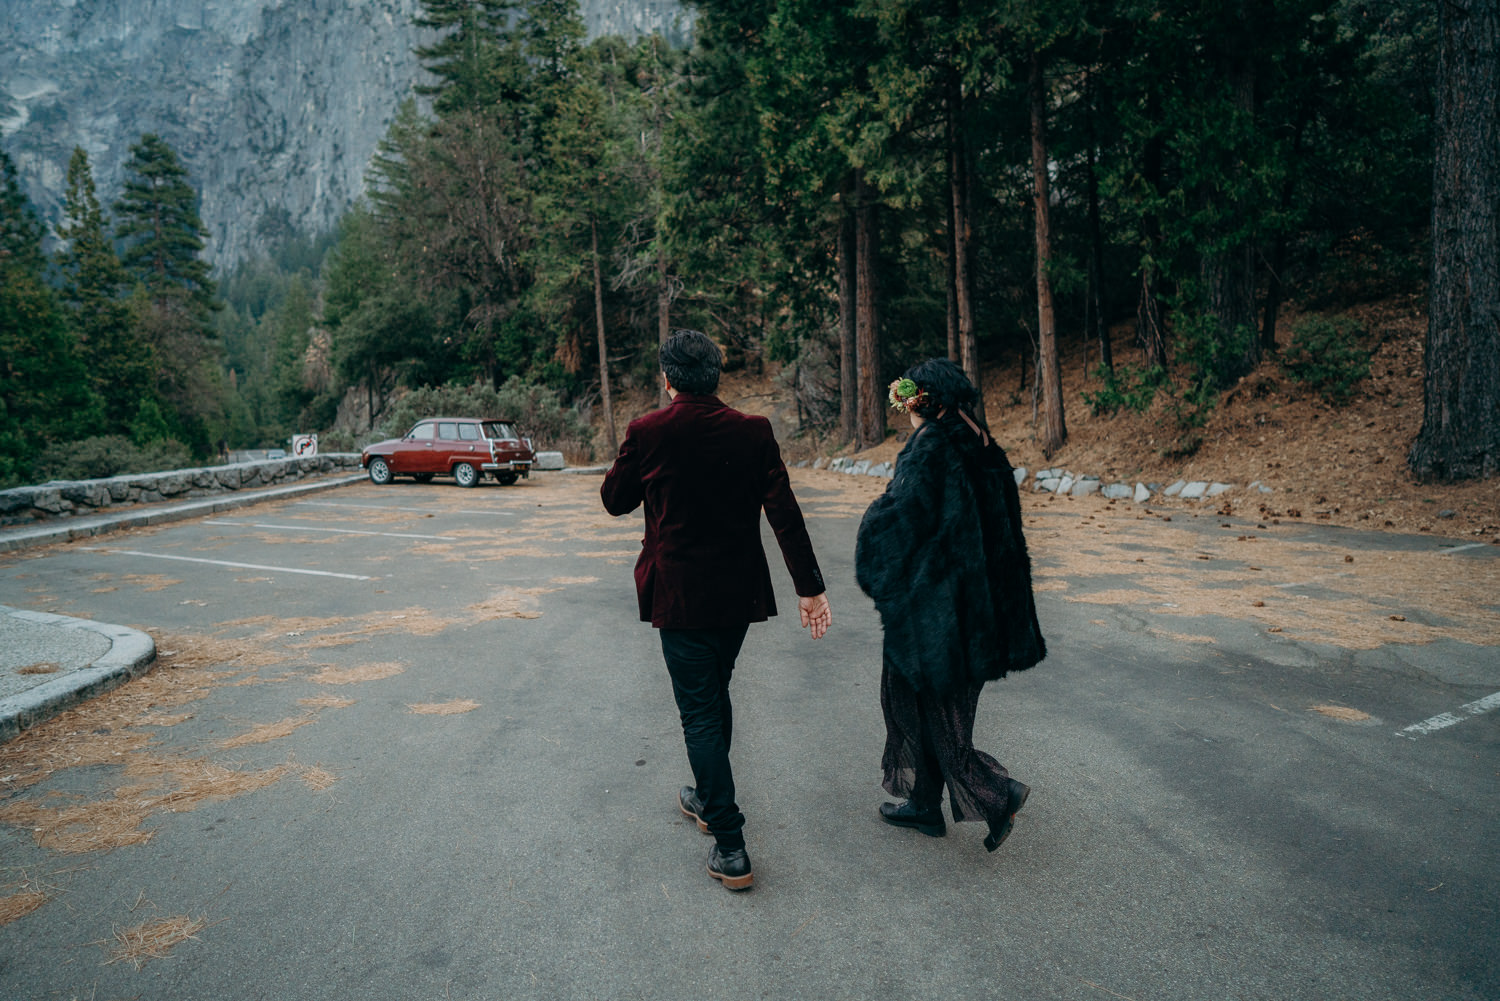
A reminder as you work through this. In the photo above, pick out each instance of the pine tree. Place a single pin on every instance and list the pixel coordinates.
(157, 223)
(121, 369)
(44, 392)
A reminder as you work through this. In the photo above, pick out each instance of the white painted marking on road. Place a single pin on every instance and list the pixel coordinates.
(227, 563)
(341, 531)
(1459, 549)
(1444, 720)
(388, 507)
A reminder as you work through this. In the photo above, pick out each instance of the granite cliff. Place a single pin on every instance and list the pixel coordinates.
(274, 105)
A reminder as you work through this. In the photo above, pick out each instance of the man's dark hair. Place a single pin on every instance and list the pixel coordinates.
(692, 362)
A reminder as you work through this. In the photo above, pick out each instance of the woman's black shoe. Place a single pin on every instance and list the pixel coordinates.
(691, 806)
(998, 833)
(929, 821)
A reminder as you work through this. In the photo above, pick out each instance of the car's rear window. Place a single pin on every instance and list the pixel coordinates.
(499, 429)
(468, 432)
(448, 431)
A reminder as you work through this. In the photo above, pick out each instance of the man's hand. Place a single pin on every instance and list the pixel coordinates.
(816, 614)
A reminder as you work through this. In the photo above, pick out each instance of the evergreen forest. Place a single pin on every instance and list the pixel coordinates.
(834, 189)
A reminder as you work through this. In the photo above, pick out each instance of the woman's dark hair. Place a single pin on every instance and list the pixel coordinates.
(946, 386)
(691, 362)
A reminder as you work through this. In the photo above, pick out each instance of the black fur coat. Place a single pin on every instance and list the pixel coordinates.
(942, 554)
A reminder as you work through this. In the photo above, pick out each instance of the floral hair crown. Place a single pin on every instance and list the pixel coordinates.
(906, 396)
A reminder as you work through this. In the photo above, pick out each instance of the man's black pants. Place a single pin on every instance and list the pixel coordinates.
(700, 662)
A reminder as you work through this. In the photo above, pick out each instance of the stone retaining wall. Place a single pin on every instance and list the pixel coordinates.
(61, 498)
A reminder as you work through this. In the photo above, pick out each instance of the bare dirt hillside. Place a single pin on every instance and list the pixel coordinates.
(1341, 465)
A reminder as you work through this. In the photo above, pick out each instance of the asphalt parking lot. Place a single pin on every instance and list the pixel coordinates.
(411, 742)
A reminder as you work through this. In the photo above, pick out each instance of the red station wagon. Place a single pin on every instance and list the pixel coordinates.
(462, 447)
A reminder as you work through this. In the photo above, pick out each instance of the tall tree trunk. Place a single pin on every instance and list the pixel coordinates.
(1055, 429)
(951, 290)
(867, 242)
(848, 330)
(1229, 272)
(663, 311)
(1460, 436)
(1150, 325)
(609, 407)
(958, 174)
(1096, 245)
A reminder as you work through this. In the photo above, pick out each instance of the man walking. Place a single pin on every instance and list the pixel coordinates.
(704, 472)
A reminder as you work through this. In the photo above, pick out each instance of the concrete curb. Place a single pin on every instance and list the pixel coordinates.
(84, 528)
(130, 655)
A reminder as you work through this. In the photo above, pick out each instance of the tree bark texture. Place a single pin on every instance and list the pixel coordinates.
(1055, 429)
(1229, 273)
(958, 174)
(1096, 250)
(848, 332)
(1460, 436)
(609, 407)
(867, 241)
(1150, 327)
(663, 313)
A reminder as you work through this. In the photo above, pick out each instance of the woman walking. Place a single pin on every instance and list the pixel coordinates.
(942, 554)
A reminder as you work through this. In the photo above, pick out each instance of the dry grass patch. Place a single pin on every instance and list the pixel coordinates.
(511, 603)
(18, 905)
(1342, 712)
(317, 779)
(450, 708)
(353, 675)
(43, 667)
(150, 581)
(267, 732)
(150, 940)
(326, 702)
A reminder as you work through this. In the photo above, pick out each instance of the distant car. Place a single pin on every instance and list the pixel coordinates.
(461, 447)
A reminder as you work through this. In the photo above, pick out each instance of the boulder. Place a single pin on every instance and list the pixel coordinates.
(549, 460)
(1117, 491)
(1086, 486)
(1020, 472)
(1193, 491)
(1142, 493)
(1216, 489)
(1174, 489)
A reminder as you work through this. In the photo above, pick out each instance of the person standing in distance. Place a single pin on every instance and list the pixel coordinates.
(704, 472)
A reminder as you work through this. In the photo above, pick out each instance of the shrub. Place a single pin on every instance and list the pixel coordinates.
(1326, 355)
(110, 455)
(1126, 387)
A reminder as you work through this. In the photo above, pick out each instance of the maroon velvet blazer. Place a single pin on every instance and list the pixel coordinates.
(704, 471)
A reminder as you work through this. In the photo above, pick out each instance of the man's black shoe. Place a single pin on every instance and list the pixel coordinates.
(691, 806)
(732, 868)
(1018, 793)
(929, 821)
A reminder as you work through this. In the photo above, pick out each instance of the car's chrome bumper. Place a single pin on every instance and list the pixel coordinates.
(524, 468)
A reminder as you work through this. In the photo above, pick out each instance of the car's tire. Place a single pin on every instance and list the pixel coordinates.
(380, 471)
(422, 477)
(506, 478)
(465, 475)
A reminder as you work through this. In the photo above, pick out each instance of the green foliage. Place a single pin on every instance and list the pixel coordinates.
(149, 425)
(1125, 387)
(536, 410)
(110, 455)
(1327, 356)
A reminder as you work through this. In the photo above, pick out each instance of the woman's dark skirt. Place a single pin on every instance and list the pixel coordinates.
(929, 740)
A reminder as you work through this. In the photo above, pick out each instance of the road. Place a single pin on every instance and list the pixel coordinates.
(411, 742)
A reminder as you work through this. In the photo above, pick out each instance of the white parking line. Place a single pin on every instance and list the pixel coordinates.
(1443, 720)
(341, 531)
(1459, 549)
(226, 563)
(388, 507)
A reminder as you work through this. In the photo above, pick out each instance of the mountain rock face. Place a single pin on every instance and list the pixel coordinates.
(275, 106)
